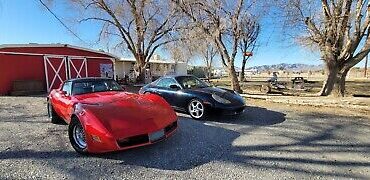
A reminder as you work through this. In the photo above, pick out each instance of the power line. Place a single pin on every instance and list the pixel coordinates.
(61, 22)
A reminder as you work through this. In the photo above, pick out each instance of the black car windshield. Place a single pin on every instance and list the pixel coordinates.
(91, 86)
(189, 82)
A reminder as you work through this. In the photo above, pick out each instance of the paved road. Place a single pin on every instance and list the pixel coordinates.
(262, 143)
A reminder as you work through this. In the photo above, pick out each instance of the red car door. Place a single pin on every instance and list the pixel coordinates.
(63, 102)
(55, 101)
(66, 107)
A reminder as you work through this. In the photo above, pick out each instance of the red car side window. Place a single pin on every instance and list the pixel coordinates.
(67, 87)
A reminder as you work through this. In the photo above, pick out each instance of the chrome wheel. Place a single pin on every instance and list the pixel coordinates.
(196, 109)
(79, 136)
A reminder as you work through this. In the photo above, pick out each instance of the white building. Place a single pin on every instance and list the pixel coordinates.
(157, 67)
(220, 72)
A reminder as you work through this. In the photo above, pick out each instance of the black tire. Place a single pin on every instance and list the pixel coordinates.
(53, 116)
(203, 115)
(71, 128)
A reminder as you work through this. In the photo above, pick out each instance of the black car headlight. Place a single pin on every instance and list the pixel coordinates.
(243, 100)
(220, 99)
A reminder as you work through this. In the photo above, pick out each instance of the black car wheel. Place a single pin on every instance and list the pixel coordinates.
(196, 109)
(77, 136)
(53, 116)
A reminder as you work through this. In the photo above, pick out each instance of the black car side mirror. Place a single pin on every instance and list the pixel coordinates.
(174, 86)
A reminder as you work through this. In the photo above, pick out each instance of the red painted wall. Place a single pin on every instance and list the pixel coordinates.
(93, 66)
(25, 67)
(18, 67)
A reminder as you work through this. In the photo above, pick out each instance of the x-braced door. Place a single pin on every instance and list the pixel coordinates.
(77, 67)
(55, 71)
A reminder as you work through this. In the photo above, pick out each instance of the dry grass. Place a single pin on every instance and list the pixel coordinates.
(353, 87)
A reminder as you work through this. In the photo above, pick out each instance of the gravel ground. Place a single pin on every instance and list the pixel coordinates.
(269, 141)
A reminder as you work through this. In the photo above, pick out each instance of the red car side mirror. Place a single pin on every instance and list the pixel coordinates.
(63, 93)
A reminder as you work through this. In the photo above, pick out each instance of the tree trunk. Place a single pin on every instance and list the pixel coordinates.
(208, 73)
(340, 85)
(335, 82)
(234, 79)
(140, 69)
(242, 73)
(141, 76)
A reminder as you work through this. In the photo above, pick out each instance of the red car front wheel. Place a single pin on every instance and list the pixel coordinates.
(77, 136)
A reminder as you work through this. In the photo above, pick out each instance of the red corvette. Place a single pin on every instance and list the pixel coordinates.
(103, 118)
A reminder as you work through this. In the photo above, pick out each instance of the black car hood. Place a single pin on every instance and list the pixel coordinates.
(215, 90)
(230, 95)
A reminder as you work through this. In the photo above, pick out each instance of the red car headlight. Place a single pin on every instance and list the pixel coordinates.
(79, 110)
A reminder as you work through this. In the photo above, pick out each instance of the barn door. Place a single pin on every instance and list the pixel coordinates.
(55, 71)
(77, 67)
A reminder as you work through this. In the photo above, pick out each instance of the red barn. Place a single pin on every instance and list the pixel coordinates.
(50, 64)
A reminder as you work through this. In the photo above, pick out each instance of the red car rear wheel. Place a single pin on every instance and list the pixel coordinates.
(53, 116)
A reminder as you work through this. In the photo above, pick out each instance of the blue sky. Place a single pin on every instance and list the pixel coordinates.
(26, 21)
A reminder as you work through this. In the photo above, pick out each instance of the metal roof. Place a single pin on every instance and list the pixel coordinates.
(150, 61)
(56, 45)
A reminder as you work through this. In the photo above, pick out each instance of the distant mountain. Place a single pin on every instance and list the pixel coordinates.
(287, 67)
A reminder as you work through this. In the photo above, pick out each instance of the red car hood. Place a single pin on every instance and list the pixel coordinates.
(126, 114)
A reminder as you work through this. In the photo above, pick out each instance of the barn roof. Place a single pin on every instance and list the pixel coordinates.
(30, 45)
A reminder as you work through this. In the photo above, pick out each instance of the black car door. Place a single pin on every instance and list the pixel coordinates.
(163, 88)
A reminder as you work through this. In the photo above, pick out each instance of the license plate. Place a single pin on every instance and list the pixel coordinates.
(156, 135)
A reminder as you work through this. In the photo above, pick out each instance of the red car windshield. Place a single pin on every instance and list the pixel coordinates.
(85, 87)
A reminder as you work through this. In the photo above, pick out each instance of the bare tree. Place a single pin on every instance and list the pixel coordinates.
(179, 51)
(141, 26)
(339, 29)
(250, 30)
(208, 53)
(184, 49)
(194, 45)
(221, 21)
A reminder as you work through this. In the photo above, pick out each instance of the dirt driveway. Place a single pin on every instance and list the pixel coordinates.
(269, 141)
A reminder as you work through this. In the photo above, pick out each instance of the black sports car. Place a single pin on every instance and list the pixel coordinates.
(192, 95)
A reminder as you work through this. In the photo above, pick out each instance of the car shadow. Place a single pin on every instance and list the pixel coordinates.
(194, 144)
(200, 142)
(252, 116)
